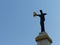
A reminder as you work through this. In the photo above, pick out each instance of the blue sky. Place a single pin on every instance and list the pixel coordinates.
(19, 27)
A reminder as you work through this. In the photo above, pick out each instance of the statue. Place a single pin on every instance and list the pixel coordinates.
(42, 19)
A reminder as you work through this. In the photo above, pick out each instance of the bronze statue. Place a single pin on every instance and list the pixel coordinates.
(42, 19)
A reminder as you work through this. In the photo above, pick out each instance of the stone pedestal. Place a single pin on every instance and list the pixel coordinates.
(43, 39)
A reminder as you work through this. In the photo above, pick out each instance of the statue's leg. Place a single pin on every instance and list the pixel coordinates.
(42, 27)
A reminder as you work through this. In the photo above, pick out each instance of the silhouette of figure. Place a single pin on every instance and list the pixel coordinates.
(42, 19)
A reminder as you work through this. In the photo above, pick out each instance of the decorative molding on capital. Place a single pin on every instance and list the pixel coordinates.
(42, 36)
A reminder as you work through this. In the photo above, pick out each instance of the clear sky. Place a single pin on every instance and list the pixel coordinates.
(19, 27)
